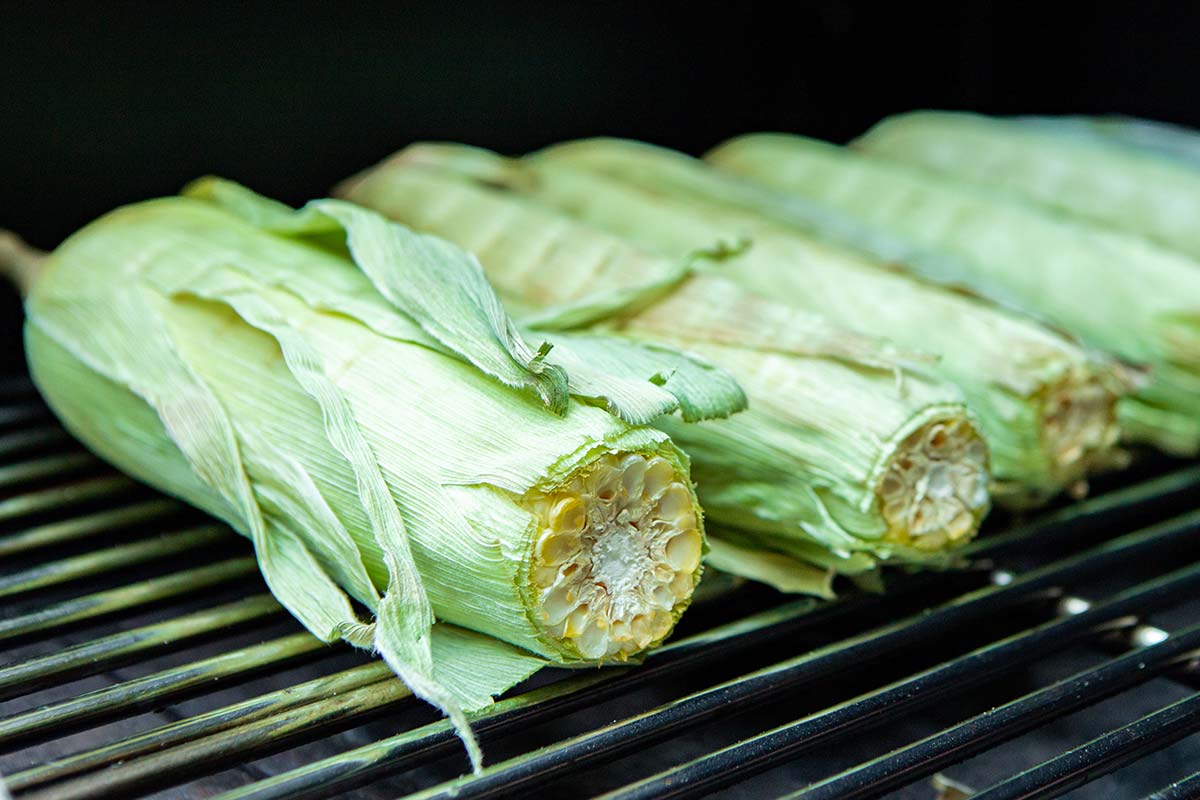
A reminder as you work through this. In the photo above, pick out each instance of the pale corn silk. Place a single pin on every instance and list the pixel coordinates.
(801, 474)
(1016, 375)
(1116, 292)
(352, 397)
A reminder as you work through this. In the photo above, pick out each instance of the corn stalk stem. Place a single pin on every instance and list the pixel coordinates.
(19, 262)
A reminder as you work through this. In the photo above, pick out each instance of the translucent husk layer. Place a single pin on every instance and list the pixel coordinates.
(1117, 292)
(1045, 405)
(1078, 172)
(407, 455)
(811, 468)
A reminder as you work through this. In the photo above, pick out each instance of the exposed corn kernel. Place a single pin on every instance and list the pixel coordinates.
(617, 556)
(935, 489)
(1079, 426)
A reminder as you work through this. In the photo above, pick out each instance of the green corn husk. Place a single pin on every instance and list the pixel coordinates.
(1117, 292)
(1014, 373)
(1092, 177)
(352, 397)
(1179, 144)
(802, 472)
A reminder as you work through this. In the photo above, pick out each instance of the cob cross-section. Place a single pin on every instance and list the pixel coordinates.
(845, 458)
(1118, 293)
(351, 396)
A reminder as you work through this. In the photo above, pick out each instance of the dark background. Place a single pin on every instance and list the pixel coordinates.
(103, 106)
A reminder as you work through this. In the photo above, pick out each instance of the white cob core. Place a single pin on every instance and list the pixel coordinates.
(935, 489)
(617, 556)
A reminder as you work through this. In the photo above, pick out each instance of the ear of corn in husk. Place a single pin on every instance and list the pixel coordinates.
(1179, 144)
(1045, 405)
(352, 397)
(1093, 177)
(845, 457)
(1117, 292)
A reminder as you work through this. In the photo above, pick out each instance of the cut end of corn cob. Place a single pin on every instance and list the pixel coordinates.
(1079, 427)
(935, 490)
(617, 556)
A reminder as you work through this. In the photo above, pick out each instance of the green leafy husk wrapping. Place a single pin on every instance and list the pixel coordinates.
(796, 475)
(1013, 372)
(352, 397)
(1118, 293)
(1081, 174)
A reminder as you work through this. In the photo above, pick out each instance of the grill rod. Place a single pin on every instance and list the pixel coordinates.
(535, 768)
(97, 562)
(195, 729)
(1185, 789)
(759, 753)
(958, 743)
(1041, 543)
(239, 744)
(57, 498)
(83, 526)
(121, 648)
(150, 691)
(1101, 755)
(131, 596)
(360, 765)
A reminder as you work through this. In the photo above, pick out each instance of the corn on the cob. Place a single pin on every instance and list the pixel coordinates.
(1178, 143)
(1045, 406)
(352, 397)
(1092, 177)
(1117, 292)
(835, 462)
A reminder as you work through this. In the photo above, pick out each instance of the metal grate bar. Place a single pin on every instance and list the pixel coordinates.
(1102, 755)
(126, 598)
(234, 746)
(35, 455)
(122, 556)
(129, 697)
(747, 758)
(350, 769)
(203, 725)
(606, 743)
(83, 526)
(100, 654)
(958, 743)
(360, 765)
(51, 467)
(19, 413)
(1082, 521)
(60, 497)
(1185, 789)
(29, 440)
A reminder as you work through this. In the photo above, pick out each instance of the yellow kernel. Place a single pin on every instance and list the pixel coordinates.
(675, 502)
(659, 474)
(568, 515)
(576, 621)
(553, 548)
(683, 550)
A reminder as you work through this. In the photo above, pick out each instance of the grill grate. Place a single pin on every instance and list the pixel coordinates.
(144, 657)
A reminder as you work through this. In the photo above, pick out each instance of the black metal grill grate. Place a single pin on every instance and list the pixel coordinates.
(145, 657)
